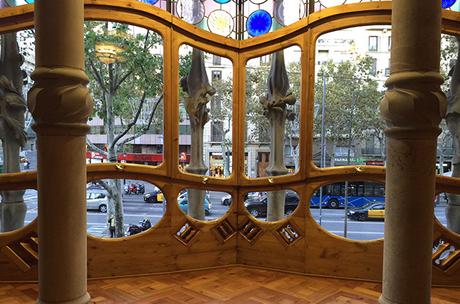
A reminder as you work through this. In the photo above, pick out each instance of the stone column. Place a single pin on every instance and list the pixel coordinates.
(60, 104)
(198, 90)
(412, 107)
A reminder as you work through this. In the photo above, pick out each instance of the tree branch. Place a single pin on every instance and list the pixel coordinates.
(131, 124)
(145, 128)
(123, 78)
(106, 187)
(93, 147)
(97, 75)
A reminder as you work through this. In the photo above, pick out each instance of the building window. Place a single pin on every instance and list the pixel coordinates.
(374, 67)
(373, 44)
(216, 60)
(264, 59)
(216, 75)
(389, 43)
(387, 72)
(217, 131)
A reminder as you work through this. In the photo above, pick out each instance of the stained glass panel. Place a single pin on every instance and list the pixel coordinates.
(259, 23)
(152, 2)
(448, 3)
(220, 22)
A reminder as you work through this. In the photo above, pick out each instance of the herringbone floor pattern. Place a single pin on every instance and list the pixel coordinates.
(226, 285)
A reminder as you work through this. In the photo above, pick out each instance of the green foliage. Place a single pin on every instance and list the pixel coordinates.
(448, 58)
(257, 125)
(139, 69)
(352, 100)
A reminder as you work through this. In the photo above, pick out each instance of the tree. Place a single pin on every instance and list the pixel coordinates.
(127, 85)
(221, 110)
(352, 101)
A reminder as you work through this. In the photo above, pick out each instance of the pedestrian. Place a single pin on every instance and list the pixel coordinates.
(111, 223)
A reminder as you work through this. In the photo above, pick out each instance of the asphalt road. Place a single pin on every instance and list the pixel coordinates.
(136, 210)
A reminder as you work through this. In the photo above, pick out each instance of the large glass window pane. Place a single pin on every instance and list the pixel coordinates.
(272, 114)
(205, 120)
(349, 85)
(125, 67)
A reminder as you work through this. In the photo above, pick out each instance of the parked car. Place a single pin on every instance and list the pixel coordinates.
(258, 206)
(368, 212)
(96, 200)
(227, 200)
(94, 186)
(183, 204)
(155, 197)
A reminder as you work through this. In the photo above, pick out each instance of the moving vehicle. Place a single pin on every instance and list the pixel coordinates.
(359, 195)
(368, 212)
(155, 197)
(96, 200)
(258, 206)
(183, 204)
(143, 225)
(134, 189)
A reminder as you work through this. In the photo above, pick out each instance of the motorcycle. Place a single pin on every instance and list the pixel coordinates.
(143, 225)
(134, 189)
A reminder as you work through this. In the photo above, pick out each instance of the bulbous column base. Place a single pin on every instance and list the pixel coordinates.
(84, 299)
(383, 300)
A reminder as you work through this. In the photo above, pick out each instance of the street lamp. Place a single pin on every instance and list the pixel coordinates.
(109, 52)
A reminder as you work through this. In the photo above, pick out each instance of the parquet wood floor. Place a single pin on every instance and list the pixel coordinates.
(234, 284)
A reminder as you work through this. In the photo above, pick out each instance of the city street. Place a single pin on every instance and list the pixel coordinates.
(333, 220)
(136, 210)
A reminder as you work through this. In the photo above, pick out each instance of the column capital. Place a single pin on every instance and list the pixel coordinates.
(60, 101)
(413, 105)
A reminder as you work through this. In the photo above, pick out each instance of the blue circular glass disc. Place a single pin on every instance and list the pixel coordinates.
(222, 1)
(152, 2)
(259, 23)
(448, 3)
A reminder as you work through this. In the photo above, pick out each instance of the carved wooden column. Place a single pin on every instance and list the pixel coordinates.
(412, 107)
(60, 104)
(275, 109)
(453, 123)
(12, 107)
(198, 90)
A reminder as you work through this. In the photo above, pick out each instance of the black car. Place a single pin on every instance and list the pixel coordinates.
(156, 196)
(373, 211)
(258, 206)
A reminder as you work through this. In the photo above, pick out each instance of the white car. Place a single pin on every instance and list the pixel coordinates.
(96, 200)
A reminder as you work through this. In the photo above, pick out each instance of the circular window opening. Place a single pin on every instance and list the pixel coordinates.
(18, 208)
(354, 210)
(447, 210)
(204, 205)
(122, 207)
(272, 205)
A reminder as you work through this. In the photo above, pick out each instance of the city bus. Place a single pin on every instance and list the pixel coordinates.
(359, 194)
